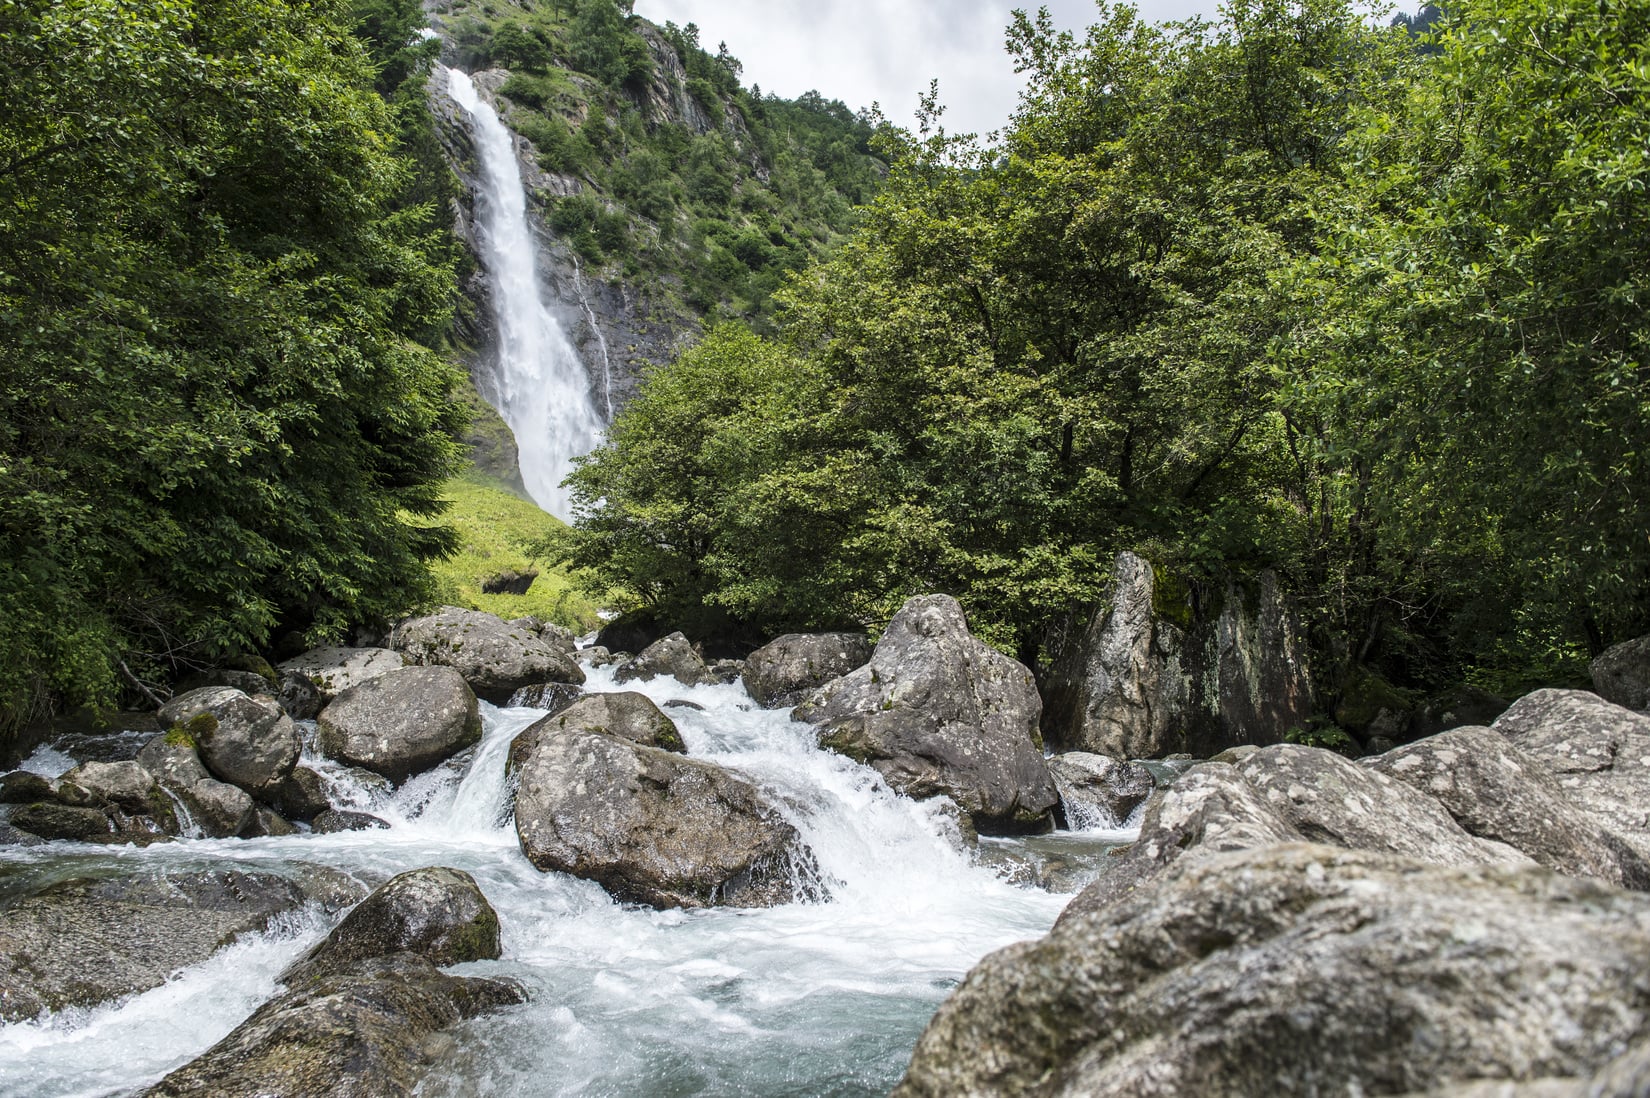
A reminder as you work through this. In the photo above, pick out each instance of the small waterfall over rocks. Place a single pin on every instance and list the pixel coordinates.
(541, 388)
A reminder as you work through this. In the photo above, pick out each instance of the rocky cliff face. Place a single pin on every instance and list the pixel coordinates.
(1153, 673)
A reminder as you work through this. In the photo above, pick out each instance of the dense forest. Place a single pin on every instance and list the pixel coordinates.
(1361, 304)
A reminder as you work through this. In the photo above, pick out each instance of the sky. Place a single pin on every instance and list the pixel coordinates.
(886, 51)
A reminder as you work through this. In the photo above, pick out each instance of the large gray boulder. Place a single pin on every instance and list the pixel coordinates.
(333, 670)
(671, 656)
(1096, 791)
(90, 939)
(401, 722)
(1302, 970)
(127, 785)
(1597, 752)
(625, 714)
(789, 668)
(650, 826)
(1495, 791)
(494, 658)
(1155, 672)
(938, 712)
(1621, 674)
(247, 741)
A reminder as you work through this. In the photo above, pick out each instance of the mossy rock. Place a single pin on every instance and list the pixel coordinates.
(1172, 597)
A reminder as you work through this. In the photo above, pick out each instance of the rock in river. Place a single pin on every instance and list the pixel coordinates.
(401, 722)
(789, 668)
(494, 658)
(247, 741)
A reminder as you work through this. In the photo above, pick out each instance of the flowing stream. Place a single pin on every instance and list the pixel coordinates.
(807, 1000)
(540, 386)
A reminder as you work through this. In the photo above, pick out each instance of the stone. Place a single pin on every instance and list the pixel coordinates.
(333, 670)
(61, 821)
(402, 722)
(552, 697)
(631, 632)
(1621, 674)
(628, 715)
(124, 784)
(559, 636)
(1158, 671)
(1597, 751)
(789, 668)
(22, 787)
(938, 712)
(220, 810)
(727, 671)
(268, 824)
(303, 795)
(11, 836)
(1302, 970)
(90, 939)
(509, 582)
(651, 827)
(248, 741)
(494, 659)
(298, 696)
(171, 757)
(672, 656)
(1495, 791)
(1096, 791)
(597, 656)
(437, 913)
(334, 820)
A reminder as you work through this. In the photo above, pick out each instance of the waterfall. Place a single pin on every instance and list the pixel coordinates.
(542, 389)
(601, 340)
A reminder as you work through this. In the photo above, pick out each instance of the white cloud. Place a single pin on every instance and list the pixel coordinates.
(860, 51)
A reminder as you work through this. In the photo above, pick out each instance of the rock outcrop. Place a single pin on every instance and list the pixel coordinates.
(401, 722)
(1302, 970)
(1158, 671)
(246, 741)
(1621, 674)
(938, 712)
(495, 659)
(789, 668)
(650, 826)
(672, 656)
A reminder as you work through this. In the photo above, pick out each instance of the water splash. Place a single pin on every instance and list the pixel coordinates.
(540, 386)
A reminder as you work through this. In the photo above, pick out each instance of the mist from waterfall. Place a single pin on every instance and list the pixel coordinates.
(540, 388)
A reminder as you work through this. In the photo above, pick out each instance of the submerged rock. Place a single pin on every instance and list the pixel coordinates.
(789, 668)
(650, 826)
(940, 713)
(1302, 970)
(248, 741)
(87, 940)
(401, 722)
(495, 659)
(672, 656)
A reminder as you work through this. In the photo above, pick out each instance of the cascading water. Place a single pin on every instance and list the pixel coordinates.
(805, 999)
(541, 386)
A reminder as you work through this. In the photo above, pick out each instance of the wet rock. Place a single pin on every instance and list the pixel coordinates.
(1302, 970)
(248, 741)
(1597, 751)
(1159, 671)
(789, 668)
(331, 671)
(87, 940)
(124, 784)
(220, 810)
(494, 659)
(1096, 791)
(268, 824)
(1495, 791)
(371, 1030)
(1621, 674)
(402, 722)
(627, 715)
(22, 787)
(11, 836)
(650, 826)
(61, 821)
(334, 820)
(302, 796)
(672, 656)
(597, 656)
(75, 796)
(550, 696)
(727, 672)
(939, 713)
(439, 914)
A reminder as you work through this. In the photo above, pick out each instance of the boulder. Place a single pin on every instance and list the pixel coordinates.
(550, 696)
(172, 759)
(597, 656)
(268, 824)
(333, 670)
(1096, 791)
(1302, 970)
(558, 636)
(672, 656)
(217, 810)
(248, 741)
(494, 659)
(938, 712)
(370, 1031)
(22, 787)
(334, 820)
(630, 632)
(60, 821)
(437, 913)
(12, 836)
(220, 810)
(87, 940)
(1495, 791)
(1166, 667)
(509, 582)
(401, 722)
(1621, 674)
(650, 826)
(628, 715)
(298, 696)
(727, 671)
(127, 785)
(1597, 751)
(303, 795)
(789, 668)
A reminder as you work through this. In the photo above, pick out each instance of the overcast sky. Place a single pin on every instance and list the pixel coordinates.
(860, 51)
